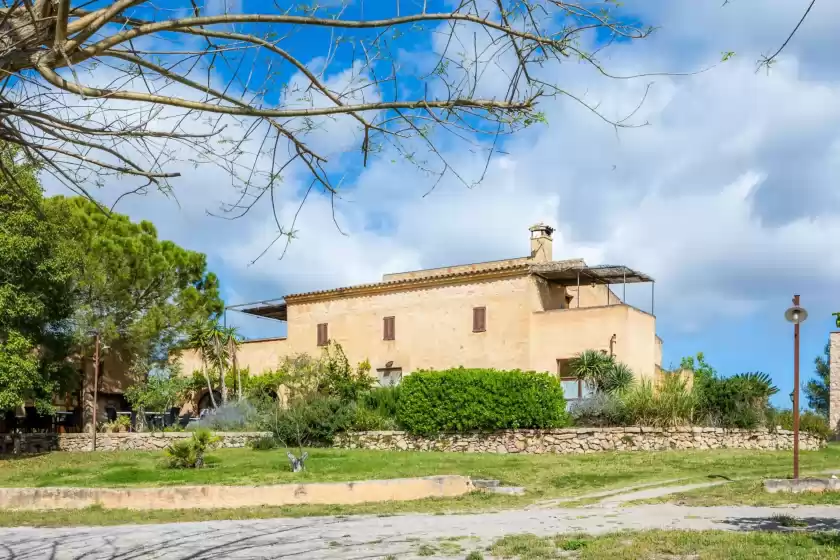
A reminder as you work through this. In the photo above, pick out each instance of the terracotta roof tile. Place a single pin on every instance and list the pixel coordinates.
(408, 281)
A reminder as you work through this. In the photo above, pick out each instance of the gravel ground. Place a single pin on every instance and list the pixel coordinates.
(359, 537)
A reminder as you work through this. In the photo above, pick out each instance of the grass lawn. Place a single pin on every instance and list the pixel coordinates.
(544, 476)
(708, 545)
(549, 475)
(747, 493)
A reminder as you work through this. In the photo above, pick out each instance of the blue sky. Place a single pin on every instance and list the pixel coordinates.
(727, 197)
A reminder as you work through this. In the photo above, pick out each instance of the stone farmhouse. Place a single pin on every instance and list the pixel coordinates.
(530, 313)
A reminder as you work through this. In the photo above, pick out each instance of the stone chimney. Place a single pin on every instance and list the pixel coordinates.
(541, 242)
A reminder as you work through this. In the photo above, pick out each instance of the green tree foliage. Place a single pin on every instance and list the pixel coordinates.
(816, 390)
(36, 275)
(737, 401)
(462, 399)
(339, 379)
(139, 292)
(311, 421)
(602, 373)
(809, 422)
(160, 391)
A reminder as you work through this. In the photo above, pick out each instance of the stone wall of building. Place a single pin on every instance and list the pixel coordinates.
(141, 441)
(581, 440)
(834, 381)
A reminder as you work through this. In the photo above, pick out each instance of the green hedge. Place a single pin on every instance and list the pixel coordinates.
(459, 400)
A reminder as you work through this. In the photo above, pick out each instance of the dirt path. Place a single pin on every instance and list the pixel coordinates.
(377, 537)
(657, 492)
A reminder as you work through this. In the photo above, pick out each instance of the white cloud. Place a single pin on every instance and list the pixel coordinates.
(728, 196)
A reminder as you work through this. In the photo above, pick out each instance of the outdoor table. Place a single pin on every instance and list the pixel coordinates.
(154, 419)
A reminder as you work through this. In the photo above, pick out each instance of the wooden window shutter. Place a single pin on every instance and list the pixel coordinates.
(323, 337)
(479, 319)
(388, 329)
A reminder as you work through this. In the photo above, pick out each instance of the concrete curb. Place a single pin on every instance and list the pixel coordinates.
(209, 497)
(799, 486)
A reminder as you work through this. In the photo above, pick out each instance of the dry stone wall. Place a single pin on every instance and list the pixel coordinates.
(581, 440)
(141, 441)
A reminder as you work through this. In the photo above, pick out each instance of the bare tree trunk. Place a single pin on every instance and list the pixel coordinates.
(209, 385)
(236, 369)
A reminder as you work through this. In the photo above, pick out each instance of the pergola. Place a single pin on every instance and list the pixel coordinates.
(571, 275)
(268, 309)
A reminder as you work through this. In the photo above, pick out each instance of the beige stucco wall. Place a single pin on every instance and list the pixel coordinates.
(562, 333)
(433, 325)
(114, 376)
(528, 327)
(257, 356)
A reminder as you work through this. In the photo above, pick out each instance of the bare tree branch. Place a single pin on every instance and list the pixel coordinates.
(129, 89)
(767, 61)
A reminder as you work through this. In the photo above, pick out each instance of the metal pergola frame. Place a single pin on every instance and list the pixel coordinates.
(278, 309)
(601, 274)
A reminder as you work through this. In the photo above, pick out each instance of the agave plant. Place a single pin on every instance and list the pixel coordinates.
(621, 377)
(755, 387)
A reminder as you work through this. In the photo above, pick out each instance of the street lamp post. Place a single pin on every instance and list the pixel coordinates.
(796, 315)
(95, 386)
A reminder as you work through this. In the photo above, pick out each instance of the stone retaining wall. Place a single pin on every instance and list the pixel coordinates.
(142, 441)
(581, 440)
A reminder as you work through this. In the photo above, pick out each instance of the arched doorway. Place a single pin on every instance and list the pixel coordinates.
(205, 403)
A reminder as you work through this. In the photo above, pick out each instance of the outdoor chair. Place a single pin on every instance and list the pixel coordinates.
(34, 422)
(10, 422)
(172, 417)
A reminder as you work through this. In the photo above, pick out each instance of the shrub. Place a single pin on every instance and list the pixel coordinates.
(311, 421)
(461, 399)
(670, 403)
(383, 400)
(189, 453)
(263, 443)
(640, 404)
(235, 416)
(810, 422)
(339, 379)
(599, 410)
(739, 401)
(366, 420)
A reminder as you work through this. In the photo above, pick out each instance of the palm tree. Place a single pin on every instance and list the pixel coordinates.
(602, 373)
(219, 354)
(232, 340)
(200, 339)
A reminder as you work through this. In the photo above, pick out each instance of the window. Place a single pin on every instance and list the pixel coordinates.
(388, 332)
(574, 389)
(323, 337)
(388, 377)
(564, 368)
(479, 319)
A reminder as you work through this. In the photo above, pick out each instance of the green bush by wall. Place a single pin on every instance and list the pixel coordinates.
(460, 400)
